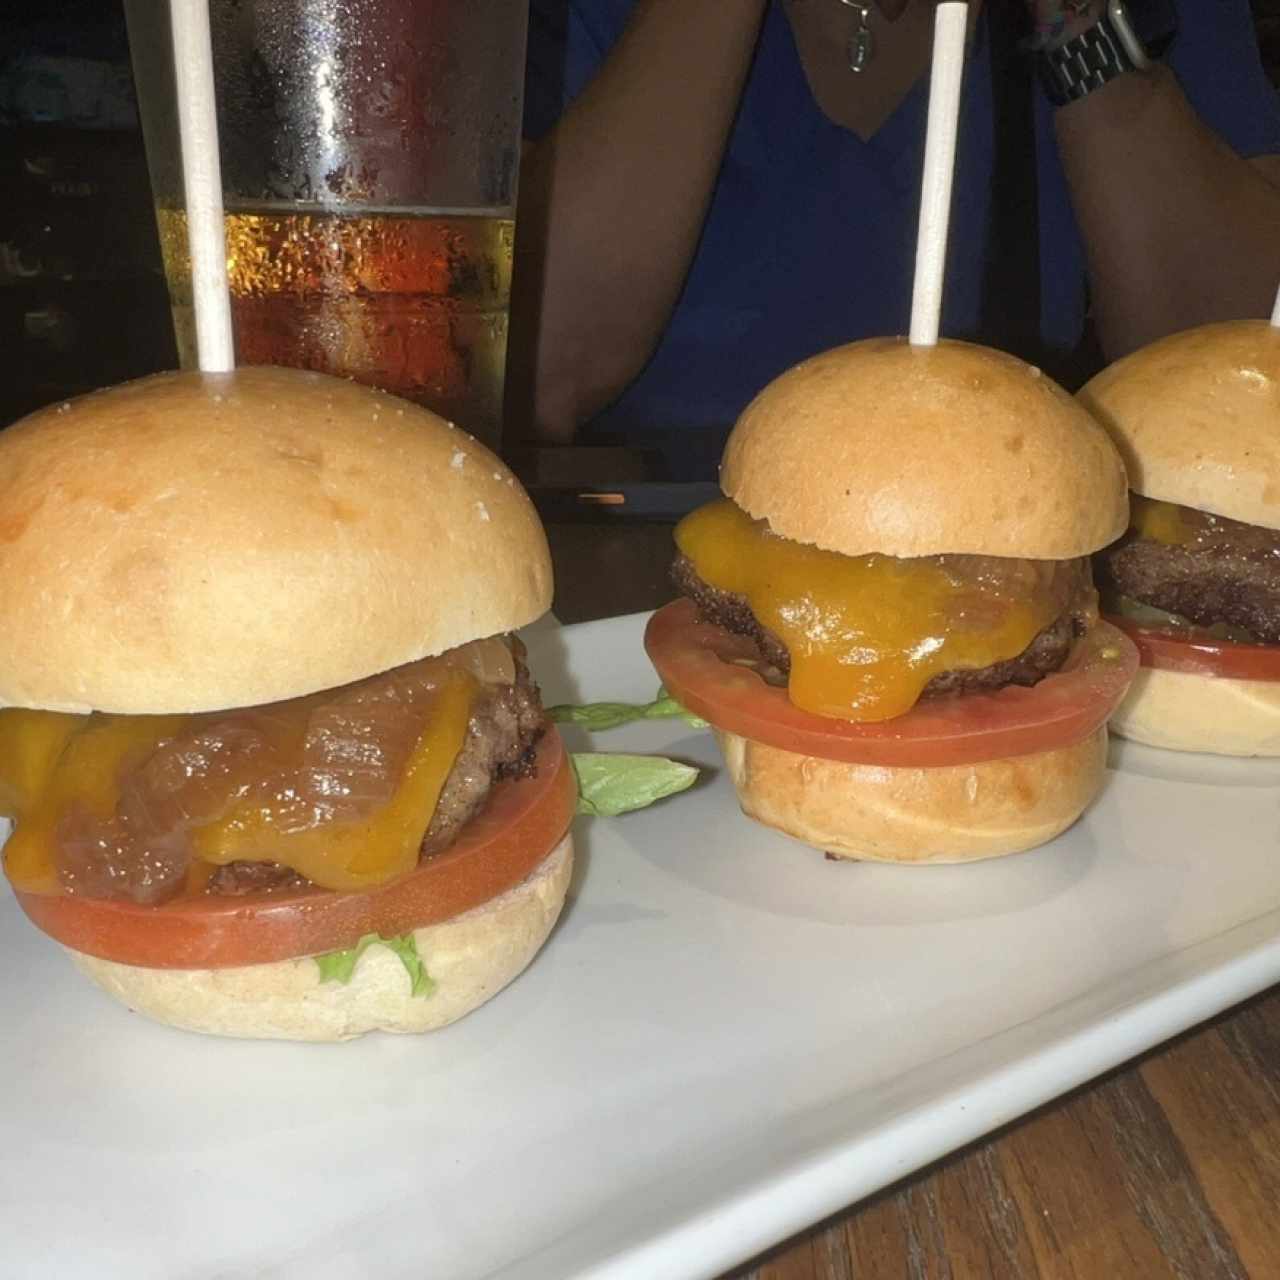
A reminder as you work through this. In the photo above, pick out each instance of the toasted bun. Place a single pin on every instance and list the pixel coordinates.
(911, 451)
(1196, 417)
(470, 958)
(190, 542)
(955, 813)
(1185, 712)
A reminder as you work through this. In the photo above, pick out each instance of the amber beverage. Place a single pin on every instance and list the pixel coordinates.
(369, 159)
(413, 302)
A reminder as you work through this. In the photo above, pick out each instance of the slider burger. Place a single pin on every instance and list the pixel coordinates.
(889, 620)
(274, 759)
(1195, 581)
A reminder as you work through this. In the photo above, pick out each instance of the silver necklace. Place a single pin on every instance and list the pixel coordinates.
(862, 44)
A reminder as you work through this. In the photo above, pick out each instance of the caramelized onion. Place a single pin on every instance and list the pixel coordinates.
(335, 757)
(194, 777)
(106, 858)
(988, 587)
(491, 661)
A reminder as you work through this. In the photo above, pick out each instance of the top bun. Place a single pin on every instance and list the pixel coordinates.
(1196, 417)
(880, 446)
(189, 542)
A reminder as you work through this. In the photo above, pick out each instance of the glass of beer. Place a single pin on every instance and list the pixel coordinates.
(370, 151)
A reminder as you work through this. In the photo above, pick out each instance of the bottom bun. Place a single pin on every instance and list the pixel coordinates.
(470, 958)
(953, 813)
(1185, 712)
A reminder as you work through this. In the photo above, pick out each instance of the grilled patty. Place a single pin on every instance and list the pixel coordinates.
(506, 723)
(1231, 575)
(1045, 654)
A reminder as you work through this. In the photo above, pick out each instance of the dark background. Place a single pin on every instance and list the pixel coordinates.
(82, 297)
(1266, 14)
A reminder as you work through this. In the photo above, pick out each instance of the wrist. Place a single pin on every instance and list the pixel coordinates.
(1121, 42)
(1085, 16)
(1130, 101)
(1057, 21)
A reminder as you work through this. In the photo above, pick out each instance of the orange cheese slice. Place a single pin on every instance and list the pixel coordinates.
(865, 634)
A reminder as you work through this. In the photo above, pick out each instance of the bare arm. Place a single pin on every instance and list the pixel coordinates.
(612, 202)
(1178, 229)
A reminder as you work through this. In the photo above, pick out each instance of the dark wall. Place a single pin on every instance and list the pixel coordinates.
(1266, 14)
(82, 293)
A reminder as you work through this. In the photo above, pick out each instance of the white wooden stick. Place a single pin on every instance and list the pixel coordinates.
(1275, 311)
(939, 169)
(202, 179)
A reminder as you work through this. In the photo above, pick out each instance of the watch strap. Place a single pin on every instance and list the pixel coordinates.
(1084, 63)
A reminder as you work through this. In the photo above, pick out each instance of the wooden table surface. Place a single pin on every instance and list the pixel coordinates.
(1169, 1166)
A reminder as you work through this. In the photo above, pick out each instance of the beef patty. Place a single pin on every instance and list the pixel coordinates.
(505, 725)
(1230, 573)
(1045, 654)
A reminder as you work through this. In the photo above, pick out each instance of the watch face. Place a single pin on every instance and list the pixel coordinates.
(1155, 23)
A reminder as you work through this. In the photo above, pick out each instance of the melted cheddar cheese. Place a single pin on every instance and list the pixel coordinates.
(1164, 522)
(95, 753)
(865, 634)
(30, 745)
(50, 762)
(355, 855)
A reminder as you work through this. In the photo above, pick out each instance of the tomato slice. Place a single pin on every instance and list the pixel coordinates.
(701, 665)
(1197, 653)
(497, 849)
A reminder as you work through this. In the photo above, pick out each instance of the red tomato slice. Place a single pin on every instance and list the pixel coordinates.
(1195, 652)
(521, 824)
(696, 662)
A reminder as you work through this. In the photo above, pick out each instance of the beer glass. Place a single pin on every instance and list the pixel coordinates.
(370, 151)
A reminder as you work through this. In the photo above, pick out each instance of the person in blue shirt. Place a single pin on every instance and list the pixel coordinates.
(710, 193)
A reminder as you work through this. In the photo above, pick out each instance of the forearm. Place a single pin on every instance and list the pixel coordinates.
(1178, 229)
(613, 199)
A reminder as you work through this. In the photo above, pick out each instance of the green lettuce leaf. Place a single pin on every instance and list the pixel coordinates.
(607, 786)
(612, 784)
(609, 715)
(1149, 616)
(338, 966)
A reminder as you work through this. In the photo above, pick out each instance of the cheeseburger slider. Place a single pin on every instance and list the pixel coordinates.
(889, 620)
(1195, 581)
(275, 762)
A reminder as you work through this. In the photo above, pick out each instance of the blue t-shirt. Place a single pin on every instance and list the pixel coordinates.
(810, 237)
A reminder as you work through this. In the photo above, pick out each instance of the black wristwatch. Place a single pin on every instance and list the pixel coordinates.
(1126, 37)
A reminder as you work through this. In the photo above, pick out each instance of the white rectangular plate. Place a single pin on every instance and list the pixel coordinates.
(726, 1038)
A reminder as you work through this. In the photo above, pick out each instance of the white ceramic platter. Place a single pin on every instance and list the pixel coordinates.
(726, 1038)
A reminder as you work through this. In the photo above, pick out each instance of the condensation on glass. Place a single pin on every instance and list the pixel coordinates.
(370, 153)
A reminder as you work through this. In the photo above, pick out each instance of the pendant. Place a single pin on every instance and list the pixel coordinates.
(862, 44)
